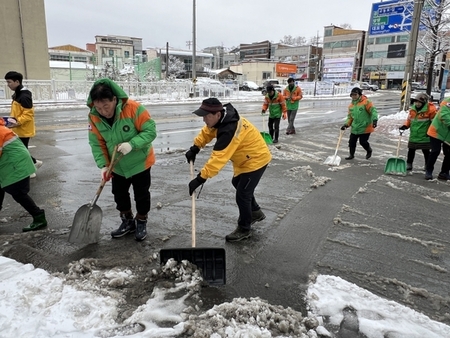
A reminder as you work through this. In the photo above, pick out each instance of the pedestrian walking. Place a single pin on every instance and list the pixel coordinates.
(419, 120)
(274, 101)
(238, 141)
(292, 94)
(116, 120)
(22, 111)
(16, 167)
(439, 132)
(362, 117)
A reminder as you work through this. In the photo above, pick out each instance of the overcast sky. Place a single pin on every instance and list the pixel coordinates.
(226, 23)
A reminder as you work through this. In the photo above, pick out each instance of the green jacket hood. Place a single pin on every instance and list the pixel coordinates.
(117, 90)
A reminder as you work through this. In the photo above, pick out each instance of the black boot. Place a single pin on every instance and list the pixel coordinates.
(369, 153)
(351, 156)
(275, 140)
(128, 225)
(141, 227)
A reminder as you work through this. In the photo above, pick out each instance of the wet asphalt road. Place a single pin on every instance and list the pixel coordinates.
(385, 233)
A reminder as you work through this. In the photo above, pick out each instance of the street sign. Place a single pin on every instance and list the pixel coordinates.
(390, 17)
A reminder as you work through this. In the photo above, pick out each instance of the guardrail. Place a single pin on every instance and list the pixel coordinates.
(72, 91)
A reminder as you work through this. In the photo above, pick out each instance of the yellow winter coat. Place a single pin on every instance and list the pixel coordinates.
(238, 141)
(22, 110)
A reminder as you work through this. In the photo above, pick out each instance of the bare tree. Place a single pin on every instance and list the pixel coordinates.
(290, 40)
(436, 39)
(346, 26)
(175, 67)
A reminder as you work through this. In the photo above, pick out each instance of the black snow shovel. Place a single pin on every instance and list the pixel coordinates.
(396, 165)
(211, 261)
(88, 218)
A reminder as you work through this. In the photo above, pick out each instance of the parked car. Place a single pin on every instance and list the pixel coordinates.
(249, 86)
(368, 86)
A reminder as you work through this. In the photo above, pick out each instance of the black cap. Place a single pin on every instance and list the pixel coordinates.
(290, 80)
(270, 88)
(356, 90)
(209, 106)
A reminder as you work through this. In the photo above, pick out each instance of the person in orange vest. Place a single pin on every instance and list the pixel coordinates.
(276, 104)
(419, 120)
(292, 94)
(16, 166)
(439, 132)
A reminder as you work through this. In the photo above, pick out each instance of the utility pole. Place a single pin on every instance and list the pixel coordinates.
(194, 45)
(410, 57)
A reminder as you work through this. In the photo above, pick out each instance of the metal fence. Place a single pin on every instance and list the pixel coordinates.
(72, 91)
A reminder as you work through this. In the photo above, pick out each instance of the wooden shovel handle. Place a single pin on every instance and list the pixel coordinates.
(113, 162)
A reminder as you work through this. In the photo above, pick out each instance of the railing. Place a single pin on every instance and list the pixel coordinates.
(72, 91)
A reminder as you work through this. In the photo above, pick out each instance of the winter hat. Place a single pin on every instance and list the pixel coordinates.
(290, 80)
(356, 90)
(270, 88)
(421, 97)
(209, 106)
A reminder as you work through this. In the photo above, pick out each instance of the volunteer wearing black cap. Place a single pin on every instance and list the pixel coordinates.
(363, 118)
(238, 141)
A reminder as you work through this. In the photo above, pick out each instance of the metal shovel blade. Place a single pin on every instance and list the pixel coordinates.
(267, 138)
(211, 261)
(332, 160)
(395, 166)
(86, 225)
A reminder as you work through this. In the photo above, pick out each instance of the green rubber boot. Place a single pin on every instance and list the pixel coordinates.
(39, 222)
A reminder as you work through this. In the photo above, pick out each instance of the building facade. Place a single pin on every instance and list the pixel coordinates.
(342, 54)
(23, 37)
(117, 50)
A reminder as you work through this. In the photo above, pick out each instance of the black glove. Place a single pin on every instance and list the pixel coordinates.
(403, 127)
(375, 123)
(191, 153)
(344, 127)
(195, 183)
(263, 111)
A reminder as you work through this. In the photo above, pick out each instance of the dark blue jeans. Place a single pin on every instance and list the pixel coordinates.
(245, 185)
(141, 186)
(436, 146)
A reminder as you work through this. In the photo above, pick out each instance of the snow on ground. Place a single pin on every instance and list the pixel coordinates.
(84, 303)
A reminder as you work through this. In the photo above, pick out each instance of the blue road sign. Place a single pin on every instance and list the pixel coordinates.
(391, 17)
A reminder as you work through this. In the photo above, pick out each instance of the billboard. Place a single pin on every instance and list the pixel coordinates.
(395, 16)
(396, 51)
(338, 69)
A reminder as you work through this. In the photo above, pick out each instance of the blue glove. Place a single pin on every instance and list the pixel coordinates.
(195, 183)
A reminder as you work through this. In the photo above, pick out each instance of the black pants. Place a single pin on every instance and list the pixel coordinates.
(412, 154)
(363, 141)
(274, 127)
(25, 141)
(141, 186)
(245, 185)
(19, 192)
(436, 146)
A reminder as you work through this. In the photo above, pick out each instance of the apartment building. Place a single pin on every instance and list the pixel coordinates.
(23, 39)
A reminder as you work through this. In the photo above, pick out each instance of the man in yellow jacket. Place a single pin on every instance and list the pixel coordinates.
(238, 141)
(22, 111)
